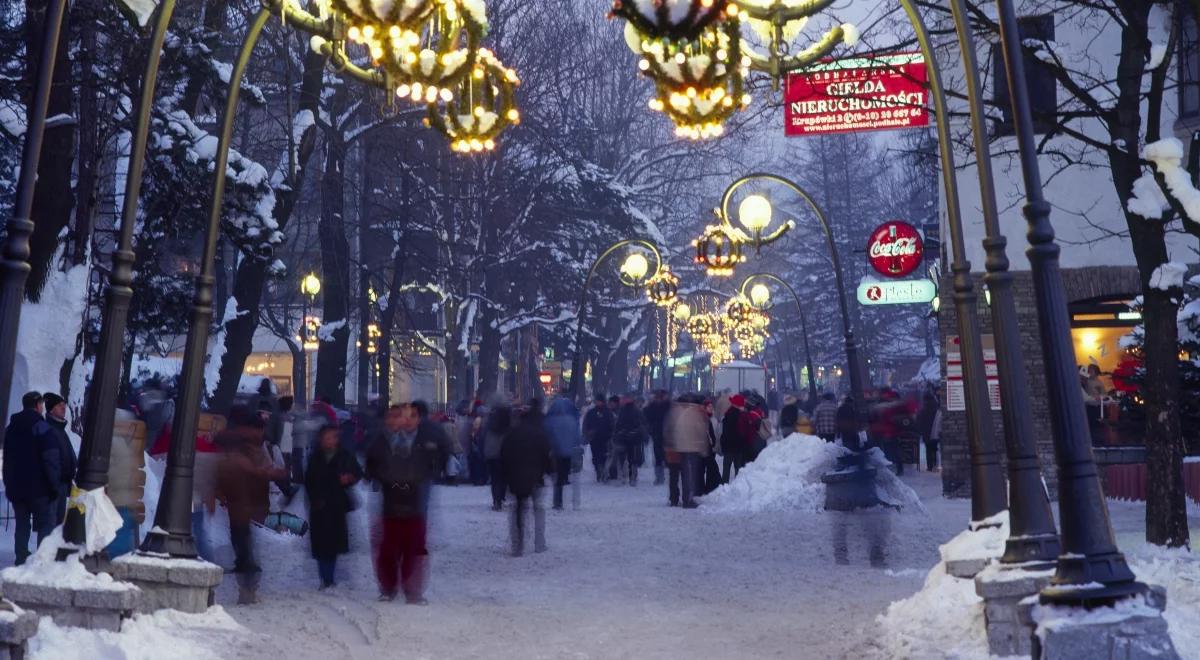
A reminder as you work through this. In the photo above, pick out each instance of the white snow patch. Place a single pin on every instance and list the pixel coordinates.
(1168, 276)
(42, 569)
(141, 10)
(785, 476)
(942, 620)
(325, 332)
(144, 637)
(983, 543)
(1148, 199)
(1167, 157)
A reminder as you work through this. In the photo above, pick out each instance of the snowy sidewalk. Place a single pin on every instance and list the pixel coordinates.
(627, 577)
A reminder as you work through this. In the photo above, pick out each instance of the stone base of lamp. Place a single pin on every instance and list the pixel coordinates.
(187, 585)
(1130, 629)
(16, 627)
(974, 548)
(77, 605)
(1003, 587)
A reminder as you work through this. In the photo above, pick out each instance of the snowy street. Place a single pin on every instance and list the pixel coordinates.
(626, 576)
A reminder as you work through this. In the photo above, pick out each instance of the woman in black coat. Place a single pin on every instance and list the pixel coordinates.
(332, 470)
(629, 436)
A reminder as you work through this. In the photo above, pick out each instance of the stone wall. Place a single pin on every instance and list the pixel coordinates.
(1080, 284)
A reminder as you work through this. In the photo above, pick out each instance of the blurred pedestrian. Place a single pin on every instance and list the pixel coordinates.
(848, 425)
(27, 485)
(789, 415)
(825, 418)
(525, 456)
(498, 424)
(331, 474)
(732, 445)
(597, 432)
(629, 441)
(686, 434)
(244, 476)
(656, 416)
(562, 425)
(403, 460)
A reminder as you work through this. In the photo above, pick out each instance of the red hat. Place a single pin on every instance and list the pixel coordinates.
(738, 400)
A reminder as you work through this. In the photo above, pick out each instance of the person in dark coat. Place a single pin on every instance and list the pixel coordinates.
(848, 425)
(497, 425)
(789, 415)
(597, 432)
(25, 482)
(656, 416)
(629, 438)
(526, 459)
(59, 460)
(331, 473)
(733, 446)
(925, 421)
(403, 460)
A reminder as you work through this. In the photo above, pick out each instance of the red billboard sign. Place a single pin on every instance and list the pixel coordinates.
(895, 249)
(857, 94)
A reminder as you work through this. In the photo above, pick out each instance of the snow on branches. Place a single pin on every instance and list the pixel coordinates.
(1149, 201)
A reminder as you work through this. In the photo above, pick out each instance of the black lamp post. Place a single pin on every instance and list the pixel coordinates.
(1033, 540)
(634, 272)
(1091, 570)
(14, 262)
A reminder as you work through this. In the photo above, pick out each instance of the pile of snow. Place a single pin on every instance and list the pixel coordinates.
(942, 620)
(42, 569)
(785, 476)
(945, 618)
(986, 542)
(144, 637)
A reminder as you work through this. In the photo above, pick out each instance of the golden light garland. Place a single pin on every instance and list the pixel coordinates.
(663, 288)
(482, 108)
(671, 19)
(718, 250)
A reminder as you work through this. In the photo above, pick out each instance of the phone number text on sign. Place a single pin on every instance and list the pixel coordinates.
(858, 94)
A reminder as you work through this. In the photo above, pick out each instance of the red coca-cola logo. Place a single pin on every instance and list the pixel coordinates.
(895, 249)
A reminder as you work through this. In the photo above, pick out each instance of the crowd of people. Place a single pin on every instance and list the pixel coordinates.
(519, 449)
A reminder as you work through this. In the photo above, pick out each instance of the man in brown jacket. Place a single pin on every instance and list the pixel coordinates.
(686, 433)
(243, 481)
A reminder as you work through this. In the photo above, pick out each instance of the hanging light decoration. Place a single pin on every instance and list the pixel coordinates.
(779, 23)
(377, 19)
(482, 107)
(699, 83)
(739, 311)
(663, 288)
(671, 19)
(702, 326)
(428, 62)
(718, 250)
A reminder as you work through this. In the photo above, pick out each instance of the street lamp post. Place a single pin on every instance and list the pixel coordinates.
(852, 358)
(760, 296)
(1091, 570)
(100, 411)
(14, 262)
(310, 286)
(634, 272)
(172, 531)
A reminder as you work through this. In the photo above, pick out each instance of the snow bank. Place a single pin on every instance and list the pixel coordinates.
(785, 476)
(1179, 571)
(144, 637)
(41, 569)
(942, 620)
(46, 338)
(984, 543)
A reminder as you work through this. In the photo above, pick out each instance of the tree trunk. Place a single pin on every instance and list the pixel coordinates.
(53, 200)
(489, 353)
(89, 137)
(251, 274)
(364, 282)
(335, 268)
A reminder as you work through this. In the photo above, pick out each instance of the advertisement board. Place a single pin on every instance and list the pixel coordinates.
(882, 92)
(894, 249)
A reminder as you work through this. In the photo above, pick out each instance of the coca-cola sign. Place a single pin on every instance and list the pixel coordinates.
(895, 249)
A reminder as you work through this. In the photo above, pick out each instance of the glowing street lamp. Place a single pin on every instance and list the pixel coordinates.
(760, 296)
(310, 285)
(634, 269)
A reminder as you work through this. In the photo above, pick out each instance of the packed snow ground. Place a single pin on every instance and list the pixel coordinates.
(625, 577)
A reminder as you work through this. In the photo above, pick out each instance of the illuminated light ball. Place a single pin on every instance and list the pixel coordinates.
(447, 95)
(718, 251)
(355, 34)
(403, 91)
(644, 64)
(394, 32)
(663, 288)
(489, 144)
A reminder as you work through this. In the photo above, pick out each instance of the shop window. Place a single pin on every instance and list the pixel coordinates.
(1108, 370)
